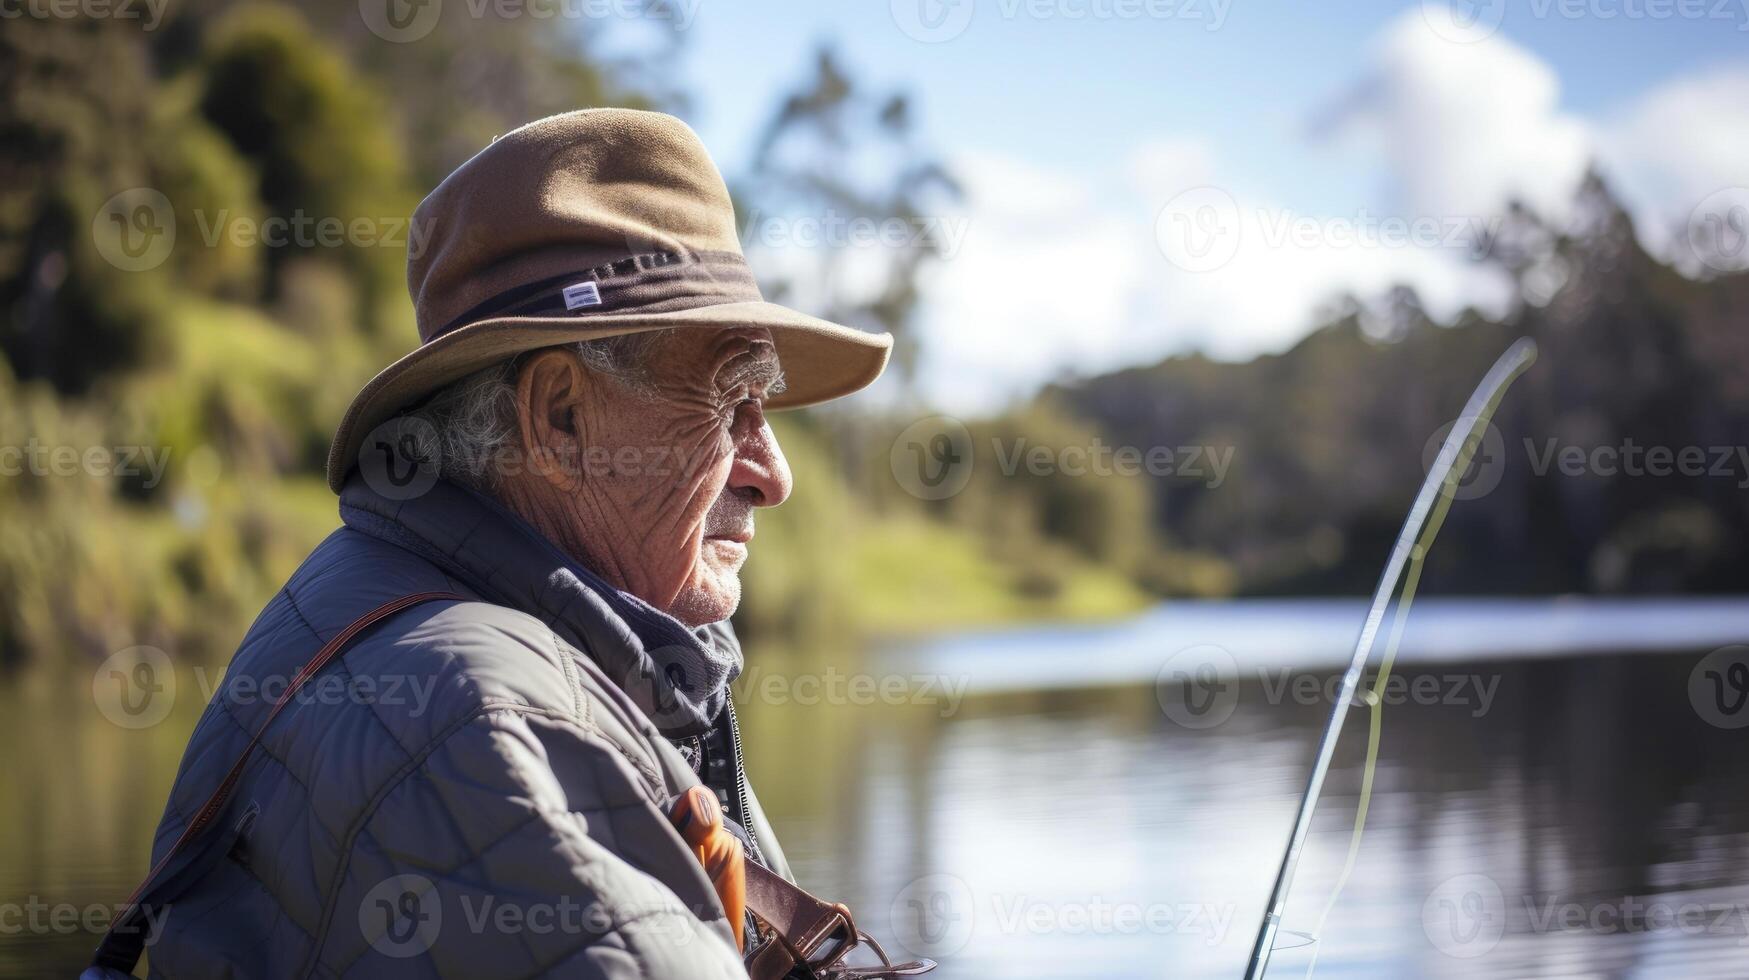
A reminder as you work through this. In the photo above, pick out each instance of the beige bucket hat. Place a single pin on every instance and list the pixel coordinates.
(579, 226)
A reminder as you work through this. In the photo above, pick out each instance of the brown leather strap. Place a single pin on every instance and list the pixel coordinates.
(817, 936)
(803, 925)
(121, 946)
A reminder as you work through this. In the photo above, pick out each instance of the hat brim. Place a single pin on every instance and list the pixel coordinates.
(821, 360)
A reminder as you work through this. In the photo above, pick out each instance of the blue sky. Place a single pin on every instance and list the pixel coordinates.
(1078, 131)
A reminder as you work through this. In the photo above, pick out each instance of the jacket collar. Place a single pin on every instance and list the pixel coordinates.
(678, 676)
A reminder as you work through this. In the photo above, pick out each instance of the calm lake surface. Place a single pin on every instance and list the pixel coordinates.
(1558, 792)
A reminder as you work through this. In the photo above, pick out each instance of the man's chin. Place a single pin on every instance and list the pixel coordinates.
(710, 601)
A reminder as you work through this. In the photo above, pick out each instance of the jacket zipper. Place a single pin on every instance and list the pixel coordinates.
(744, 810)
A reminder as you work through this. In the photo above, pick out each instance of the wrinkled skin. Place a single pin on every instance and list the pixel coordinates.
(653, 486)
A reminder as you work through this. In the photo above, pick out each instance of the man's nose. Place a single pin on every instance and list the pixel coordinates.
(760, 468)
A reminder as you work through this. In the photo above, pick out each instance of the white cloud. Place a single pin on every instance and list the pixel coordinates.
(1062, 271)
(1465, 127)
(1040, 283)
(1677, 144)
(1057, 276)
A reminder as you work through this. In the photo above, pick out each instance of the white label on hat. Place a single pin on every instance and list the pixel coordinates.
(582, 294)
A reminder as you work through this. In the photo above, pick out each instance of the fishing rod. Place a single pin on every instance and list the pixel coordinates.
(1442, 478)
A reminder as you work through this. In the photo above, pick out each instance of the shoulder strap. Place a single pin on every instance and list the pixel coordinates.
(811, 934)
(126, 940)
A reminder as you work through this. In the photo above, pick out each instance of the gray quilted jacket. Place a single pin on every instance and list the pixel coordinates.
(474, 788)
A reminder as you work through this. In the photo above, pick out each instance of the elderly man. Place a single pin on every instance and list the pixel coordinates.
(465, 738)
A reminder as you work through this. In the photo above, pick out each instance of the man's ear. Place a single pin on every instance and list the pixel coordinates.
(549, 396)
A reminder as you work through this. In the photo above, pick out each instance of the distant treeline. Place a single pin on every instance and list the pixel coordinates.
(1620, 463)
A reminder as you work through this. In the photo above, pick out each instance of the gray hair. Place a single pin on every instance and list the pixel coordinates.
(473, 420)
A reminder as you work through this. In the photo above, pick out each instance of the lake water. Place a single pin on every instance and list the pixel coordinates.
(1556, 794)
(1559, 791)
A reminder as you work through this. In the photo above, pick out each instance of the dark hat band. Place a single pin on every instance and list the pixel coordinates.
(650, 282)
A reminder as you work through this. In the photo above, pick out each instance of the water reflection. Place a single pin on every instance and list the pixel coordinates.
(1587, 822)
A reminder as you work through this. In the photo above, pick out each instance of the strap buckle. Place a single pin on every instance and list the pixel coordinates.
(824, 949)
